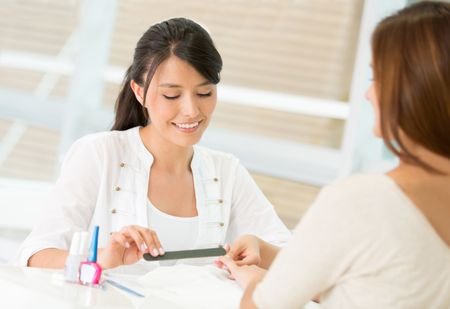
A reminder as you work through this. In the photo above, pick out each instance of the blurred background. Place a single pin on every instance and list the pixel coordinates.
(291, 100)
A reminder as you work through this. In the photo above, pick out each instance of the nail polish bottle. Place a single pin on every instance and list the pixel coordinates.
(90, 272)
(77, 254)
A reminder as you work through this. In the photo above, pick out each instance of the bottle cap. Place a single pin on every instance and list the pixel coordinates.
(92, 257)
(75, 245)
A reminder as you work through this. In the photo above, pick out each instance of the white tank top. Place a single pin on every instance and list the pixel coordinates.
(174, 233)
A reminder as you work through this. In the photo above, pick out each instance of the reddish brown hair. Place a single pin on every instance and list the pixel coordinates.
(411, 61)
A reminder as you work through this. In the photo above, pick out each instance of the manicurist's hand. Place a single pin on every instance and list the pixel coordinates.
(245, 274)
(128, 246)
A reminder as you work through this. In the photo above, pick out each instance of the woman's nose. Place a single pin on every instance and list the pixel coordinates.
(189, 107)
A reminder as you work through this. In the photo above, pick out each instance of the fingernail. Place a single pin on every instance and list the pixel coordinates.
(127, 245)
(161, 251)
(143, 247)
(155, 252)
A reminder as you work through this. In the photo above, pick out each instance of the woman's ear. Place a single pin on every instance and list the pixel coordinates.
(138, 91)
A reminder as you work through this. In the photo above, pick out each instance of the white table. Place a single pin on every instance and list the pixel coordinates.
(172, 287)
(43, 288)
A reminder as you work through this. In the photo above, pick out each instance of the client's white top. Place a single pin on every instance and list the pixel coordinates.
(362, 244)
(166, 226)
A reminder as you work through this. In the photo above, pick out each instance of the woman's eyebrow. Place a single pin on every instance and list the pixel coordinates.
(169, 85)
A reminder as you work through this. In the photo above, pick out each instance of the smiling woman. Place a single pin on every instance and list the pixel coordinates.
(145, 183)
(179, 100)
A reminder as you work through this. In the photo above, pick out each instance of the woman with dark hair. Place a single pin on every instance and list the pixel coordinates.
(145, 183)
(377, 241)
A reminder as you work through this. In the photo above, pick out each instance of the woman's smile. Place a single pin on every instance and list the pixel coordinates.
(187, 127)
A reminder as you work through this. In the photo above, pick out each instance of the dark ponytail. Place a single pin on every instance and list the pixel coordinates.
(129, 112)
(177, 36)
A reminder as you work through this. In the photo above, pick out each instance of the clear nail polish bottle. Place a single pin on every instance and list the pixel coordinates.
(77, 254)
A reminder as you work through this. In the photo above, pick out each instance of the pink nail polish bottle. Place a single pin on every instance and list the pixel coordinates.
(90, 272)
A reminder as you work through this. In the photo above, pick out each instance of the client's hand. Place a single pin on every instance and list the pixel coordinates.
(245, 274)
(244, 251)
(128, 246)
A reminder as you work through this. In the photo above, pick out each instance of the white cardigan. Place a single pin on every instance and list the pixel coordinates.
(104, 181)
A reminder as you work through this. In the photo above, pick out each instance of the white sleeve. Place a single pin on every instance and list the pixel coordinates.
(252, 213)
(71, 204)
(321, 249)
